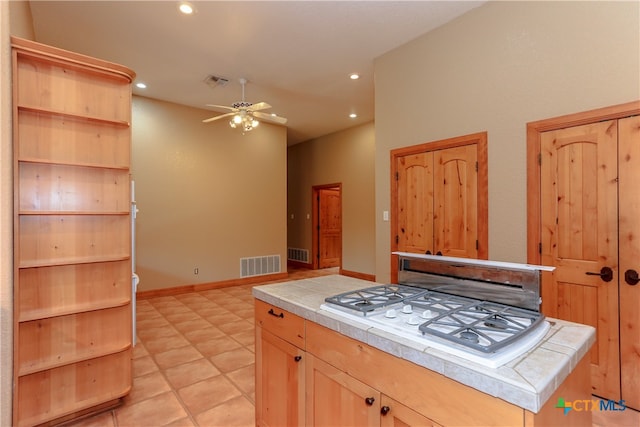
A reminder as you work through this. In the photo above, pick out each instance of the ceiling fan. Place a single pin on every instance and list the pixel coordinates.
(245, 115)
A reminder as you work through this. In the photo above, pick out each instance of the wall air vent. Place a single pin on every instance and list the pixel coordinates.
(296, 254)
(258, 266)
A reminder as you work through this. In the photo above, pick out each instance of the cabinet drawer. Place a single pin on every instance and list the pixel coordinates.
(281, 323)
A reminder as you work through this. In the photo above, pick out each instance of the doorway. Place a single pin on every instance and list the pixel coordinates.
(327, 226)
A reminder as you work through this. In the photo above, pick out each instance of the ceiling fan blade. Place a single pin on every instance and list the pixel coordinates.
(214, 118)
(259, 106)
(270, 117)
(221, 108)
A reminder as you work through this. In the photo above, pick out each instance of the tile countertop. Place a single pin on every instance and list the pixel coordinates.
(528, 381)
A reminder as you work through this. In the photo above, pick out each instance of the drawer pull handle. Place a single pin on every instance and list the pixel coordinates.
(297, 358)
(273, 313)
(385, 410)
(369, 400)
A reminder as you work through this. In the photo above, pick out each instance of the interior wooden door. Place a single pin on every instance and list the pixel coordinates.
(329, 227)
(455, 193)
(629, 220)
(579, 218)
(415, 202)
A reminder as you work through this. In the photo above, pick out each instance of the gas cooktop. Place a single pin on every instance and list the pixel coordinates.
(455, 305)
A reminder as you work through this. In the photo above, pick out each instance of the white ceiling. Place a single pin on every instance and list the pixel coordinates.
(296, 55)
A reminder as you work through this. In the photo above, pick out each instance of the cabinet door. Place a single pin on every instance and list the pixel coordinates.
(455, 194)
(279, 381)
(415, 203)
(629, 200)
(395, 414)
(336, 399)
(437, 202)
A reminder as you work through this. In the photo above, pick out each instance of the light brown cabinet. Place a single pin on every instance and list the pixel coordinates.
(72, 238)
(280, 367)
(334, 398)
(332, 379)
(439, 198)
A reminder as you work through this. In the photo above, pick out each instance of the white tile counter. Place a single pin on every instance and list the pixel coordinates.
(528, 381)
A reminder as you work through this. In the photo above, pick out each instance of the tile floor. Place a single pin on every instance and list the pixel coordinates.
(194, 363)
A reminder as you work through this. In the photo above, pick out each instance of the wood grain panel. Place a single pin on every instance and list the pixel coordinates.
(55, 341)
(400, 415)
(579, 234)
(427, 392)
(415, 203)
(57, 188)
(57, 239)
(57, 139)
(66, 289)
(334, 398)
(629, 165)
(280, 322)
(70, 89)
(280, 381)
(455, 191)
(68, 389)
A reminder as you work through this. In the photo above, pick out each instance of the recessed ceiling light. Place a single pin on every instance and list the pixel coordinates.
(353, 115)
(141, 85)
(354, 76)
(185, 7)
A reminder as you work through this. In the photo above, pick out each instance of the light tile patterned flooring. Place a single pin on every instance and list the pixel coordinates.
(194, 363)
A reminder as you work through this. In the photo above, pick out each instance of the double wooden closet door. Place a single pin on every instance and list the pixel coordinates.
(590, 230)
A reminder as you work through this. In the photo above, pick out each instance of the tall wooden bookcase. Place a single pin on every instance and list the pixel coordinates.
(72, 233)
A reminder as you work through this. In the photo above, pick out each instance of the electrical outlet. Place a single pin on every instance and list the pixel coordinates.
(195, 270)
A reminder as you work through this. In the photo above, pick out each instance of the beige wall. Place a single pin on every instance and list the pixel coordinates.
(208, 195)
(496, 68)
(345, 157)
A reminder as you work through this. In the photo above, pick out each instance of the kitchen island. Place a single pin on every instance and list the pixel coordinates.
(314, 367)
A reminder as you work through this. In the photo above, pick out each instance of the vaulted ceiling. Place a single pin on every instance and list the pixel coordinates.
(296, 55)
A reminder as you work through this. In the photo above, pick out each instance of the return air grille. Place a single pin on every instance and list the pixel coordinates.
(295, 254)
(257, 266)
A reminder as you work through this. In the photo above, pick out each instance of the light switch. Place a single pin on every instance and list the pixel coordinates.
(385, 215)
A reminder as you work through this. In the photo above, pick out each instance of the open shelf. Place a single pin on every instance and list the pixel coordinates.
(72, 246)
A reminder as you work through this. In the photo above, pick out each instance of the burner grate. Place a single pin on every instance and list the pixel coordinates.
(482, 325)
(369, 299)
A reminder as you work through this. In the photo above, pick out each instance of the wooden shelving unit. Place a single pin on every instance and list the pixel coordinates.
(72, 238)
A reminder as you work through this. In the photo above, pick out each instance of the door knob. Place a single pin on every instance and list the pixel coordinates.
(385, 410)
(631, 277)
(297, 358)
(369, 401)
(606, 274)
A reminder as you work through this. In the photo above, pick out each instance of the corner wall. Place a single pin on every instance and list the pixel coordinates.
(345, 157)
(207, 194)
(497, 68)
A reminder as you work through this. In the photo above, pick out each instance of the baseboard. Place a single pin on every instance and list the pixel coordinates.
(177, 290)
(356, 275)
(299, 264)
